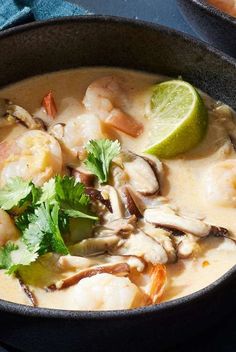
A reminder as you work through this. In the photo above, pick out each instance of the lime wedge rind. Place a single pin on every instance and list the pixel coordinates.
(186, 124)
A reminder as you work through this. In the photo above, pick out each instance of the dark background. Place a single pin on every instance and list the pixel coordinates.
(220, 337)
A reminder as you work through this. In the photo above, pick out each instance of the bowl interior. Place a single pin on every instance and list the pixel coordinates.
(104, 41)
(73, 42)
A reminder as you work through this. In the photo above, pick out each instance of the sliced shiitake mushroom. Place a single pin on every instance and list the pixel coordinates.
(185, 246)
(96, 195)
(94, 246)
(11, 114)
(168, 219)
(24, 117)
(111, 194)
(163, 217)
(86, 178)
(129, 201)
(70, 262)
(163, 237)
(142, 245)
(31, 297)
(141, 175)
(120, 269)
(218, 231)
(122, 227)
(5, 118)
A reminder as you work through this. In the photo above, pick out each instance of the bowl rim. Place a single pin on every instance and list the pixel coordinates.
(166, 307)
(209, 8)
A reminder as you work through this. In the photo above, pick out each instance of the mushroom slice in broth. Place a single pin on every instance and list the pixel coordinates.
(96, 196)
(110, 194)
(141, 174)
(163, 237)
(186, 246)
(94, 246)
(131, 201)
(166, 217)
(30, 295)
(85, 177)
(142, 245)
(24, 117)
(120, 269)
(69, 262)
(11, 114)
(122, 227)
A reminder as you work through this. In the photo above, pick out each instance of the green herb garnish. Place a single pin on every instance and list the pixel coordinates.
(16, 193)
(100, 154)
(15, 255)
(44, 220)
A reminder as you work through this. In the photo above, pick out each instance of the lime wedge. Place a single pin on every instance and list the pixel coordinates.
(179, 119)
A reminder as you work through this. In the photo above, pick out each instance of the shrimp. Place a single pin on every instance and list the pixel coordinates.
(106, 292)
(106, 98)
(76, 133)
(151, 281)
(220, 183)
(35, 155)
(8, 230)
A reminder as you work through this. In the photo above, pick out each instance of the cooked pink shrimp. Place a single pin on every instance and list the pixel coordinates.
(105, 98)
(35, 155)
(220, 183)
(74, 135)
(106, 292)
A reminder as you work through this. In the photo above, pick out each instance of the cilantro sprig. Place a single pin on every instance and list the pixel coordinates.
(17, 192)
(45, 218)
(15, 255)
(100, 154)
(69, 194)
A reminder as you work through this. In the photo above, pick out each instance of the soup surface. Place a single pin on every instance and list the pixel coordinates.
(228, 6)
(164, 228)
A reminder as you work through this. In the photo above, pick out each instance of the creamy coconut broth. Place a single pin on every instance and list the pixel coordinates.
(143, 257)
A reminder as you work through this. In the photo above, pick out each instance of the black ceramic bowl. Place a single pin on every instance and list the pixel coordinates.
(213, 25)
(92, 41)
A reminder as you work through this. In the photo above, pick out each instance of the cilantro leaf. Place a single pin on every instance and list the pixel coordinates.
(57, 244)
(49, 192)
(14, 192)
(43, 230)
(78, 214)
(15, 255)
(69, 194)
(22, 221)
(5, 259)
(100, 154)
(35, 229)
(45, 218)
(17, 192)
